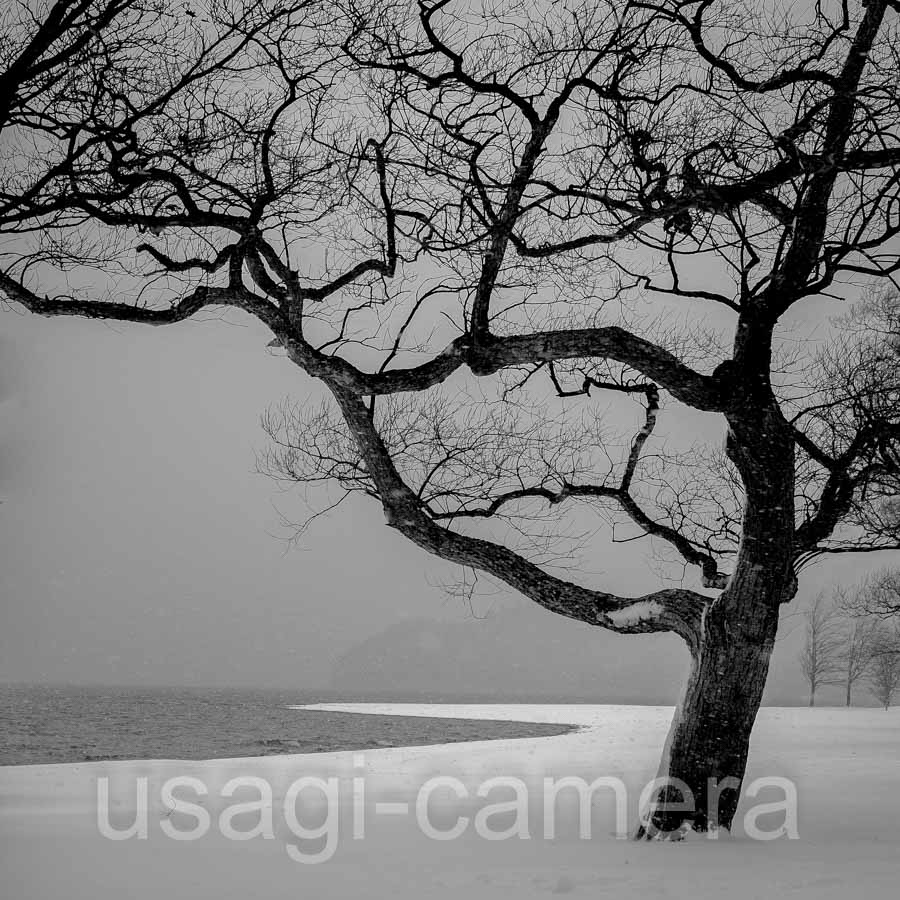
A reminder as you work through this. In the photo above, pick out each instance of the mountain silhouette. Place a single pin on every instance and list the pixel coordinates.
(520, 654)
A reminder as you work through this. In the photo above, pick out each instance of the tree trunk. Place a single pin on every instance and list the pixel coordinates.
(709, 739)
(706, 751)
(849, 689)
(812, 696)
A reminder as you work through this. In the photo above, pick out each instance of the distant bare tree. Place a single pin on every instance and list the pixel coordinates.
(820, 658)
(884, 671)
(857, 644)
(460, 218)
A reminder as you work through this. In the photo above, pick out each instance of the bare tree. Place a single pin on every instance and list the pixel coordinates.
(418, 198)
(856, 656)
(858, 639)
(872, 647)
(820, 657)
(884, 672)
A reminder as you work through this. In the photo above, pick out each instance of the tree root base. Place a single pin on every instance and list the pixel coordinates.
(688, 829)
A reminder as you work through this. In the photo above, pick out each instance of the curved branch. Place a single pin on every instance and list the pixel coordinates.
(126, 312)
(711, 576)
(674, 610)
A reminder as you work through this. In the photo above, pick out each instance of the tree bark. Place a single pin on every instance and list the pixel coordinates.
(706, 751)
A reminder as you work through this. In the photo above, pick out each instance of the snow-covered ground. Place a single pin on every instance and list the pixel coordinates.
(844, 764)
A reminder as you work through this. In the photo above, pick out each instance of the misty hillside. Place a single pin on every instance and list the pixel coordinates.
(518, 653)
(524, 653)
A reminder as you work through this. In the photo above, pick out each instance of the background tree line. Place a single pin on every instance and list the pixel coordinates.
(853, 637)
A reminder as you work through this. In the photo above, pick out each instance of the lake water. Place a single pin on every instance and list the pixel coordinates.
(56, 724)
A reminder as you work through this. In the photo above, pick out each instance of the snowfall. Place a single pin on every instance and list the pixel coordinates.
(491, 819)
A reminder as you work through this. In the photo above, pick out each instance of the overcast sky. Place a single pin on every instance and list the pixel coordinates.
(140, 546)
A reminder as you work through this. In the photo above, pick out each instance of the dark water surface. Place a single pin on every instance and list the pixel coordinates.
(55, 724)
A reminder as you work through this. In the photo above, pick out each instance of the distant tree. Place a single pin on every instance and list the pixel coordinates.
(456, 216)
(820, 658)
(884, 671)
(857, 644)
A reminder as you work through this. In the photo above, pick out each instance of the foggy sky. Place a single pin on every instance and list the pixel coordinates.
(141, 547)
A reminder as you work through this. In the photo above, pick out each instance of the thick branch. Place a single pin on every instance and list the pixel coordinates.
(613, 343)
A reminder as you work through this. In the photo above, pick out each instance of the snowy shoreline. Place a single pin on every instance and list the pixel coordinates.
(845, 765)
